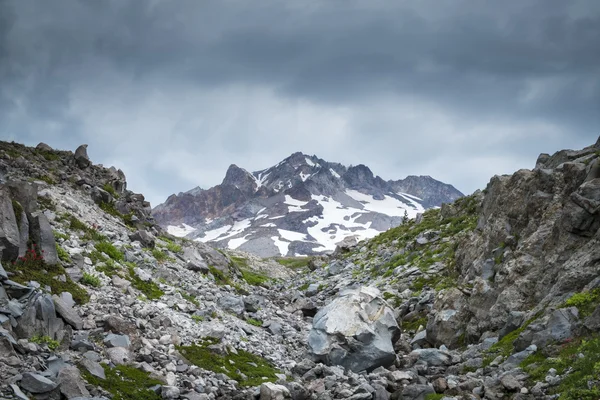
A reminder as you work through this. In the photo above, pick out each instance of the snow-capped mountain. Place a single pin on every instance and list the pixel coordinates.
(303, 205)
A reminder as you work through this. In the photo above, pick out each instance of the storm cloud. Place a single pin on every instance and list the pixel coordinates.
(173, 92)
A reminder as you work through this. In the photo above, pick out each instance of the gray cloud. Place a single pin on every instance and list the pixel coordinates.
(174, 91)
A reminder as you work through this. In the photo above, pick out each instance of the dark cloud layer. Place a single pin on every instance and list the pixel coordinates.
(174, 91)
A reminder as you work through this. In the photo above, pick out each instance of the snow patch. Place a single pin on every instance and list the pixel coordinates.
(309, 162)
(291, 235)
(180, 230)
(388, 206)
(335, 174)
(235, 243)
(281, 245)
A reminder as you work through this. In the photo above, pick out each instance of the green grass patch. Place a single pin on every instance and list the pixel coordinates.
(586, 302)
(254, 278)
(108, 188)
(91, 280)
(110, 250)
(125, 383)
(246, 368)
(110, 208)
(59, 235)
(46, 178)
(504, 347)
(294, 262)
(579, 360)
(18, 210)
(255, 322)
(32, 267)
(189, 298)
(160, 255)
(304, 287)
(434, 396)
(175, 248)
(45, 203)
(62, 254)
(148, 288)
(220, 277)
(197, 318)
(414, 324)
(47, 340)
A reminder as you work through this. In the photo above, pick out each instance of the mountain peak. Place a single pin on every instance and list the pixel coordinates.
(240, 178)
(301, 206)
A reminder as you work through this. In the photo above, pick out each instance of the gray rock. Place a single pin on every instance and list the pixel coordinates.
(3, 274)
(81, 156)
(433, 357)
(119, 355)
(145, 238)
(71, 383)
(93, 368)
(113, 340)
(356, 330)
(9, 231)
(6, 347)
(510, 383)
(18, 393)
(312, 289)
(416, 392)
(170, 392)
(254, 302)
(36, 383)
(100, 196)
(419, 339)
(271, 391)
(67, 313)
(42, 234)
(43, 146)
(232, 304)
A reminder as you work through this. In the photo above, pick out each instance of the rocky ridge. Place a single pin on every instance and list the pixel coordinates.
(302, 206)
(495, 296)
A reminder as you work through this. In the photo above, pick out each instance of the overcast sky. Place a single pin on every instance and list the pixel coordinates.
(172, 92)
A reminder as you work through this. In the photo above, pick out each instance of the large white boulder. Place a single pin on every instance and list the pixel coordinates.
(357, 330)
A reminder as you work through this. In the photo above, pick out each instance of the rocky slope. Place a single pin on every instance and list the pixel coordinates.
(302, 206)
(496, 296)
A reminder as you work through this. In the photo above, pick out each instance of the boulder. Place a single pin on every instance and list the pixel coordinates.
(448, 318)
(66, 311)
(112, 340)
(43, 236)
(43, 147)
(100, 195)
(71, 383)
(356, 330)
(81, 156)
(3, 274)
(232, 304)
(145, 238)
(36, 383)
(271, 391)
(93, 367)
(9, 230)
(119, 355)
(26, 193)
(416, 392)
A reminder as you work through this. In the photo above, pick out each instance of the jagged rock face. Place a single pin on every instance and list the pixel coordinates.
(303, 205)
(357, 330)
(536, 244)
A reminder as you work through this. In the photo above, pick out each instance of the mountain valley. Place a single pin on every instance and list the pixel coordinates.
(494, 295)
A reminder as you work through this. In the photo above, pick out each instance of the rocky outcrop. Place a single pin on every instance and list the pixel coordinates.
(357, 330)
(9, 230)
(538, 229)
